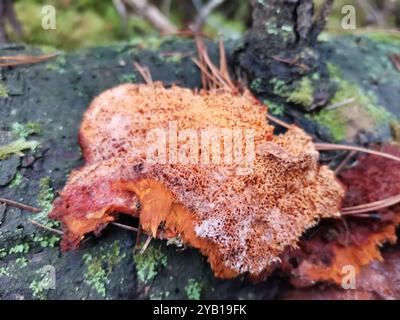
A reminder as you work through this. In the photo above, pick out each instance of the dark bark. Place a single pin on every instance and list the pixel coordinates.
(7, 13)
(281, 40)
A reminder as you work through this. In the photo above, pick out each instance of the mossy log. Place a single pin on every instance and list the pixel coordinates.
(44, 102)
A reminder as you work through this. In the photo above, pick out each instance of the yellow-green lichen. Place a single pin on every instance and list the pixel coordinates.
(16, 147)
(193, 289)
(384, 37)
(17, 180)
(24, 130)
(148, 263)
(128, 78)
(38, 289)
(255, 84)
(45, 199)
(302, 94)
(46, 241)
(3, 91)
(101, 265)
(19, 248)
(333, 120)
(160, 296)
(274, 108)
(337, 120)
(21, 262)
(4, 272)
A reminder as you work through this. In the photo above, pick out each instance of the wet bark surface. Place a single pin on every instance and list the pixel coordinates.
(54, 95)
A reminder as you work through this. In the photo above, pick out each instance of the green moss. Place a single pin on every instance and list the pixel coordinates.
(38, 290)
(4, 272)
(3, 253)
(101, 265)
(271, 27)
(17, 180)
(45, 199)
(16, 147)
(148, 263)
(128, 78)
(384, 37)
(46, 194)
(19, 248)
(335, 119)
(274, 108)
(193, 289)
(302, 94)
(151, 43)
(255, 84)
(160, 296)
(46, 241)
(21, 262)
(279, 87)
(23, 131)
(3, 91)
(173, 58)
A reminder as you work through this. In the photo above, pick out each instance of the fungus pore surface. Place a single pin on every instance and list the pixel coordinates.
(241, 200)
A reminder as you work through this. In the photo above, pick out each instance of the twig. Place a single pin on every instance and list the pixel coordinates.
(293, 62)
(332, 146)
(344, 162)
(10, 61)
(46, 227)
(146, 244)
(278, 121)
(19, 205)
(372, 206)
(152, 14)
(211, 76)
(204, 12)
(121, 9)
(340, 104)
(124, 226)
(138, 238)
(223, 64)
(7, 13)
(361, 215)
(144, 72)
(396, 60)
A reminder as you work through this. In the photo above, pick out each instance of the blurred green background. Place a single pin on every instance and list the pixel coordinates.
(83, 23)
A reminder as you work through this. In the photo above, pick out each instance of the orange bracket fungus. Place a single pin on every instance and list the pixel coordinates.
(240, 211)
